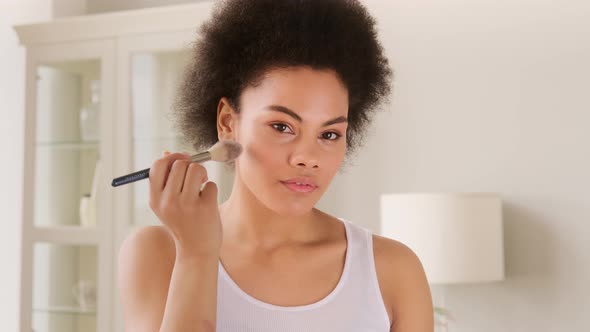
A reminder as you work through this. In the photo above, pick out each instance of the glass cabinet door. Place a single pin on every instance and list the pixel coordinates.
(151, 69)
(154, 80)
(64, 287)
(67, 155)
(66, 260)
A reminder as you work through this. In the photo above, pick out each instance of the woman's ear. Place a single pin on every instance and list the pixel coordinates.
(226, 120)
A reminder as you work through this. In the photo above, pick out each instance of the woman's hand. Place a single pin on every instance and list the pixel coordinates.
(191, 214)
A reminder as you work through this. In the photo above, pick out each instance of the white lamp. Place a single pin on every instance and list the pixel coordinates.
(457, 236)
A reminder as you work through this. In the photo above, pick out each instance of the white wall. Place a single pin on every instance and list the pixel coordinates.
(493, 96)
(12, 67)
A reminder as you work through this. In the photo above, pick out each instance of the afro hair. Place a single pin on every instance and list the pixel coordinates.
(243, 39)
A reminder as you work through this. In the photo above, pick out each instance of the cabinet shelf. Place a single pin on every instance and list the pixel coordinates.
(81, 145)
(66, 310)
(72, 145)
(67, 234)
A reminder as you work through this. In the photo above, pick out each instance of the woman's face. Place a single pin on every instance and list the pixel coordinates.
(292, 128)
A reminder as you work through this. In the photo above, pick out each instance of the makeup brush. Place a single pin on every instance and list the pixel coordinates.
(222, 151)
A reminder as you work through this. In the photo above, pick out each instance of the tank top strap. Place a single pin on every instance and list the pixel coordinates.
(363, 271)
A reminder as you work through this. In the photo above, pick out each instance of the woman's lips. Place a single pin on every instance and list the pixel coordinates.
(299, 188)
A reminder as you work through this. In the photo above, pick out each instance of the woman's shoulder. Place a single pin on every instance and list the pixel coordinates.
(392, 250)
(146, 261)
(149, 240)
(395, 262)
(390, 255)
(146, 251)
(401, 276)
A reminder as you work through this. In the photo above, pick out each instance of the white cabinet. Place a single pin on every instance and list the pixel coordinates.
(98, 92)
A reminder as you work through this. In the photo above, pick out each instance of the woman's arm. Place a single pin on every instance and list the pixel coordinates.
(404, 286)
(192, 296)
(165, 290)
(168, 274)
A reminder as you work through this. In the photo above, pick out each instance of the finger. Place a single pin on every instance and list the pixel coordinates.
(196, 175)
(158, 176)
(176, 176)
(209, 193)
(160, 169)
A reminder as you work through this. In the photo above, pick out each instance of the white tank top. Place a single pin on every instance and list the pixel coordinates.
(354, 305)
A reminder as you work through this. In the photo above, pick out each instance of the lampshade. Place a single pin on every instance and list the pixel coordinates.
(457, 236)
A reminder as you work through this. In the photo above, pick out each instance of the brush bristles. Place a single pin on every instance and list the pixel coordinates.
(225, 150)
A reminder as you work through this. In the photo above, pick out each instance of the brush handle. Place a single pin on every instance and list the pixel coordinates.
(131, 177)
(145, 173)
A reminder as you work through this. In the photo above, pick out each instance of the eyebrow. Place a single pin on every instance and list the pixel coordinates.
(283, 109)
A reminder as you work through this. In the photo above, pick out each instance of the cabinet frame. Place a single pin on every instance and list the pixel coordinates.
(112, 38)
(101, 234)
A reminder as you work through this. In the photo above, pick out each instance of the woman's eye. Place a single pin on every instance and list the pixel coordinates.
(334, 136)
(329, 136)
(280, 127)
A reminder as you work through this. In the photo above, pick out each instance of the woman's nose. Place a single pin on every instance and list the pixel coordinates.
(306, 155)
(312, 163)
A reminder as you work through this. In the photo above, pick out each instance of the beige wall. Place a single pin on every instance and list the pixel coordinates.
(492, 96)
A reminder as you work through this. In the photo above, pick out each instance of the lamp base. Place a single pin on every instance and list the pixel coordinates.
(442, 315)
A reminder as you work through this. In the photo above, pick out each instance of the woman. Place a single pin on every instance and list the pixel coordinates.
(295, 82)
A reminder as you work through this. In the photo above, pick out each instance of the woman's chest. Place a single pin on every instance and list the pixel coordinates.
(289, 278)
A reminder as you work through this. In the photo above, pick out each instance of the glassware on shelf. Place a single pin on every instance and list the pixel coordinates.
(90, 114)
(88, 201)
(87, 211)
(84, 293)
(65, 290)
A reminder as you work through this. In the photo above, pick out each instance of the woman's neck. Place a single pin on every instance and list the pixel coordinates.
(249, 222)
